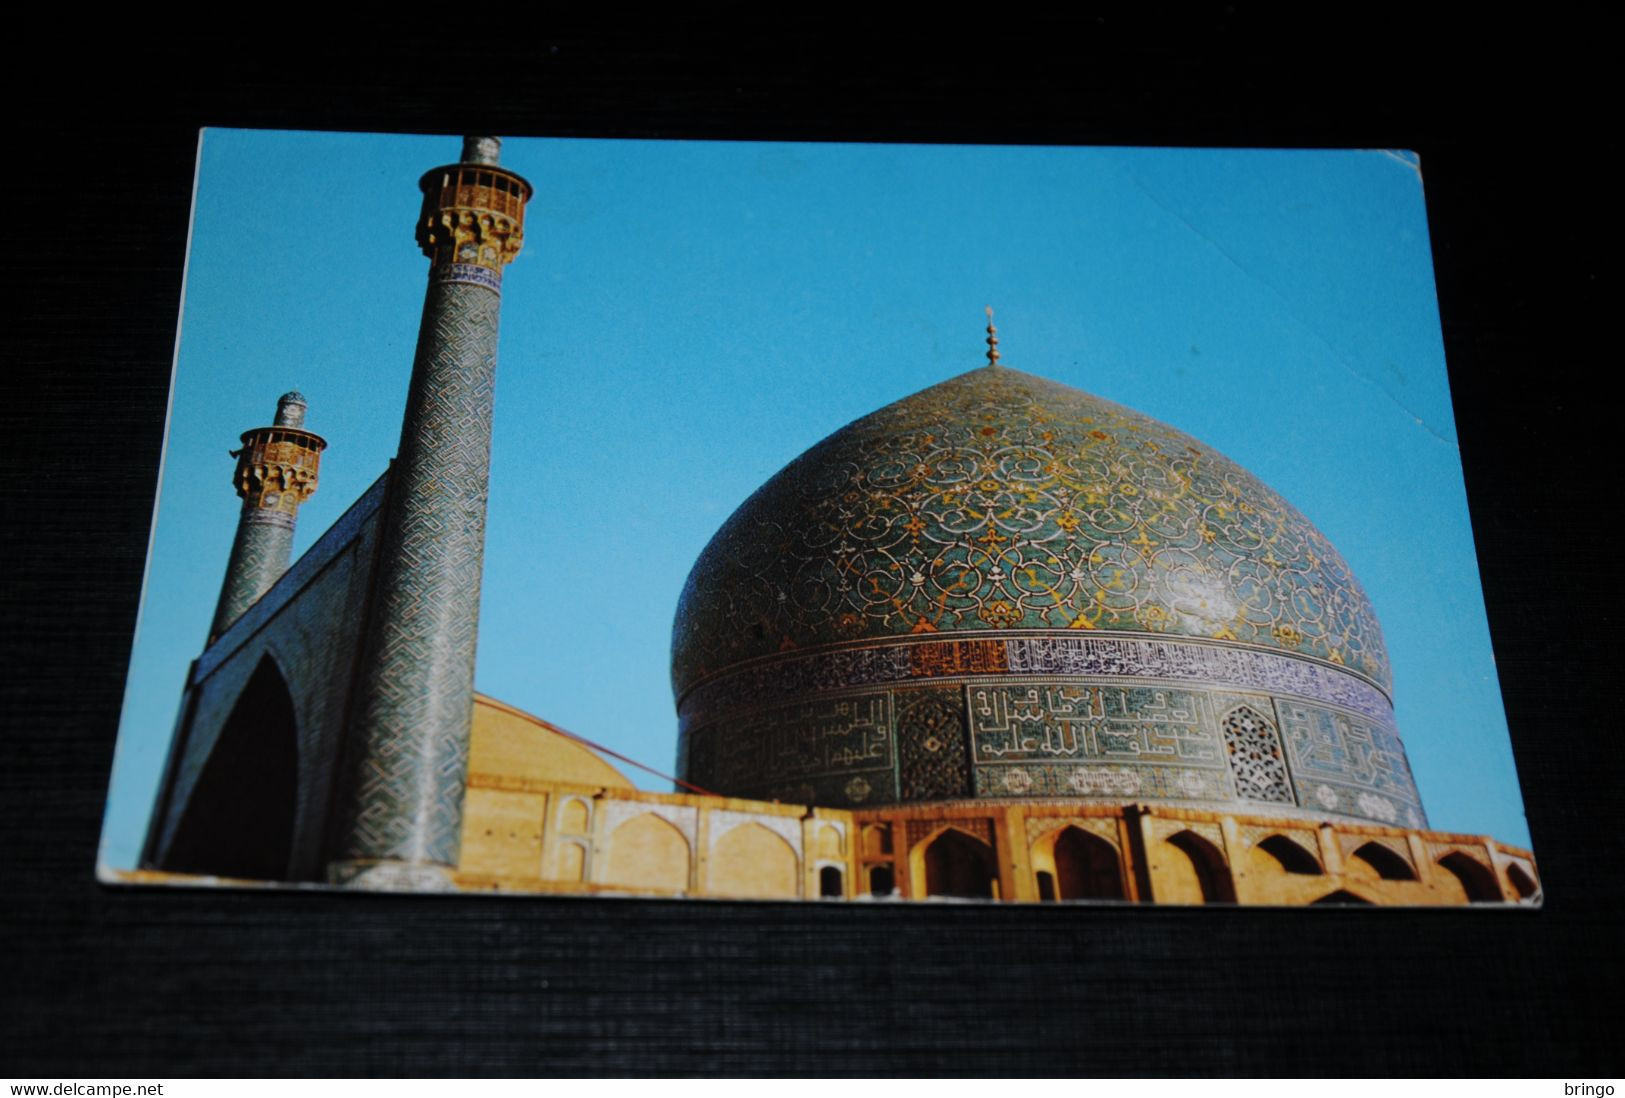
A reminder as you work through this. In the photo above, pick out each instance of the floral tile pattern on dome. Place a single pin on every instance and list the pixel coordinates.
(999, 500)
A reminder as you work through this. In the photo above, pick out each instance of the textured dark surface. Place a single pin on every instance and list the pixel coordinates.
(102, 981)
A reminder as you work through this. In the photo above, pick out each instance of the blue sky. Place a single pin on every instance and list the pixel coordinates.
(687, 317)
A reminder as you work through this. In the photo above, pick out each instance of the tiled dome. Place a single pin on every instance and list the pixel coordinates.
(1003, 587)
(1000, 501)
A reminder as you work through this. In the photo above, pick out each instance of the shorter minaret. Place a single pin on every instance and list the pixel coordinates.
(276, 472)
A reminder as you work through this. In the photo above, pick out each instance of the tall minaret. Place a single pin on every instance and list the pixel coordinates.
(276, 472)
(400, 820)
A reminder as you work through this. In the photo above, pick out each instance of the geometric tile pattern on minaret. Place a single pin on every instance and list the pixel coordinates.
(415, 693)
(276, 471)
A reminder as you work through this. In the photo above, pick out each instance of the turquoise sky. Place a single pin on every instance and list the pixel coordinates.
(687, 317)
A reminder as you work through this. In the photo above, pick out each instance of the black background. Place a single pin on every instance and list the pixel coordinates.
(1510, 123)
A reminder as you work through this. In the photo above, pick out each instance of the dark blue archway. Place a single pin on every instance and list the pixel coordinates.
(239, 819)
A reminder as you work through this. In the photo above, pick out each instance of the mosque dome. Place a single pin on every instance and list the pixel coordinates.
(1083, 600)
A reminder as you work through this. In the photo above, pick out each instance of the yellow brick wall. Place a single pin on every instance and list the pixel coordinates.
(545, 814)
(502, 831)
(752, 862)
(646, 853)
(511, 744)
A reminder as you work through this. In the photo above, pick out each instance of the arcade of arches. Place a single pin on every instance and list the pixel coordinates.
(544, 814)
(524, 832)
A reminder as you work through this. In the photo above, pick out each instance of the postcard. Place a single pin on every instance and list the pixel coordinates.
(818, 522)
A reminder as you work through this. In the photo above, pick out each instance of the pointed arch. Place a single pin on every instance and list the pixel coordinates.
(1086, 867)
(751, 861)
(1384, 862)
(1289, 856)
(952, 862)
(239, 818)
(876, 841)
(829, 842)
(574, 816)
(1476, 879)
(648, 852)
(1522, 881)
(882, 880)
(1205, 863)
(831, 882)
(1344, 897)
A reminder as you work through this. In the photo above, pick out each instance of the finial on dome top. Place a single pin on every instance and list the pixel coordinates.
(992, 339)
